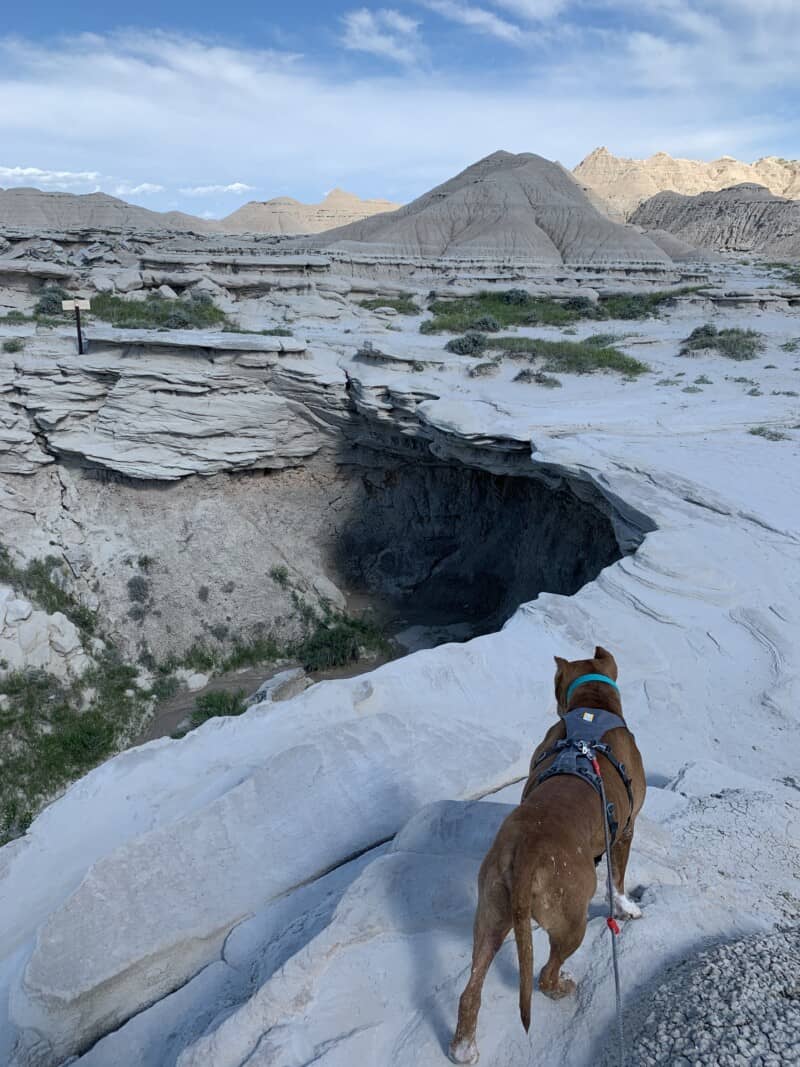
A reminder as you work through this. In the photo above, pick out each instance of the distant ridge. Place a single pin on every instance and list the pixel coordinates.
(284, 215)
(624, 184)
(36, 210)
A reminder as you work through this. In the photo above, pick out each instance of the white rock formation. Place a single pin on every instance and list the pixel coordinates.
(198, 901)
(32, 639)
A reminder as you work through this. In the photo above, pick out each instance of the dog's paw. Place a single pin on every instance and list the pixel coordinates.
(464, 1052)
(565, 987)
(624, 907)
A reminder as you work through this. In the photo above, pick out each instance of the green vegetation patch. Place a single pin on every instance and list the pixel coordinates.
(54, 731)
(403, 303)
(196, 311)
(768, 434)
(570, 357)
(13, 344)
(42, 580)
(336, 640)
(516, 307)
(734, 343)
(218, 703)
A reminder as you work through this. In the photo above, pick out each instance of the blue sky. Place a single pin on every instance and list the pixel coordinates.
(196, 106)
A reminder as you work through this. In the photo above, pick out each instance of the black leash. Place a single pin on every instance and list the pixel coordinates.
(611, 922)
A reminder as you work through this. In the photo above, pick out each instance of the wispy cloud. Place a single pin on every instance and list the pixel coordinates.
(386, 33)
(142, 189)
(213, 190)
(48, 179)
(477, 18)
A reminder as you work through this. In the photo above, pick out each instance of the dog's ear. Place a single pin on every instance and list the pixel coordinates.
(558, 681)
(610, 664)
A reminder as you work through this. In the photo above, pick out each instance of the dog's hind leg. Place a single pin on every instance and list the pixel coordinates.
(565, 926)
(620, 850)
(491, 927)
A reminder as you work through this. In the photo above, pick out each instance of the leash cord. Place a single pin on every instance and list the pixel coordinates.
(610, 921)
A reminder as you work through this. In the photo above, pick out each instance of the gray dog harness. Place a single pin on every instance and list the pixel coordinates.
(574, 754)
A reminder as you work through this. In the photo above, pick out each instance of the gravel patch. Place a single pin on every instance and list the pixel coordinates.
(735, 1005)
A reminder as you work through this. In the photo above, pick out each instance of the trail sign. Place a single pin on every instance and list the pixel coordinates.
(77, 306)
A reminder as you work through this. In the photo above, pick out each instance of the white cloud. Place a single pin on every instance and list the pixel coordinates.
(39, 178)
(477, 18)
(143, 189)
(384, 33)
(215, 190)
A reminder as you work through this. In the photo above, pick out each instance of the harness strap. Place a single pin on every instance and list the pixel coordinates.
(582, 766)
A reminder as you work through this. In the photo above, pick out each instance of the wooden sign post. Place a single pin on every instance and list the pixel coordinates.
(77, 306)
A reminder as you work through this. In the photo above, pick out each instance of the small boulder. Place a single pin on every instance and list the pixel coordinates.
(17, 610)
(196, 681)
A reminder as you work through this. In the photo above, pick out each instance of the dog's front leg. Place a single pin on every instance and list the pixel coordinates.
(624, 908)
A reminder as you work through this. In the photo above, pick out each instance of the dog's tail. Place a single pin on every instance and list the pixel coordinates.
(521, 918)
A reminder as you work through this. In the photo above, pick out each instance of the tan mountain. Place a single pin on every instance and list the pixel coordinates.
(745, 218)
(283, 215)
(624, 184)
(505, 207)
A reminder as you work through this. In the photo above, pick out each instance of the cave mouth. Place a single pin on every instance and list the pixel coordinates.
(441, 546)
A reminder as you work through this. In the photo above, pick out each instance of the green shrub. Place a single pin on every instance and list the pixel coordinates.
(570, 357)
(515, 297)
(486, 324)
(471, 344)
(217, 703)
(515, 307)
(280, 575)
(768, 434)
(40, 580)
(336, 641)
(202, 593)
(734, 343)
(403, 303)
(538, 377)
(252, 653)
(17, 317)
(49, 302)
(13, 344)
(138, 589)
(155, 312)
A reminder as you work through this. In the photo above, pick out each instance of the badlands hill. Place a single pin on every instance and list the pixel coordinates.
(505, 207)
(284, 215)
(624, 184)
(32, 209)
(746, 218)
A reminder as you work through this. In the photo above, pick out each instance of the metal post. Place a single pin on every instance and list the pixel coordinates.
(78, 327)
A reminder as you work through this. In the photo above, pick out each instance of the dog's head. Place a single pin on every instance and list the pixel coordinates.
(568, 670)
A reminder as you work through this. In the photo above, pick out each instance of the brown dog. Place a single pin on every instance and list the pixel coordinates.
(542, 862)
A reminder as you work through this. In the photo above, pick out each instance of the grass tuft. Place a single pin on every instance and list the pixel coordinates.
(734, 343)
(570, 357)
(157, 313)
(515, 307)
(403, 303)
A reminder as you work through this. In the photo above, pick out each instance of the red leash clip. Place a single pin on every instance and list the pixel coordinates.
(613, 925)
